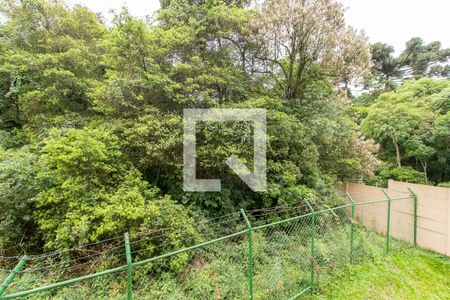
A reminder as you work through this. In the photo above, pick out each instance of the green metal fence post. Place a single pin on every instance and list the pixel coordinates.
(12, 275)
(414, 195)
(249, 255)
(388, 230)
(313, 224)
(352, 232)
(129, 267)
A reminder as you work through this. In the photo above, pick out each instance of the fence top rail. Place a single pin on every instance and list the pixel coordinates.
(115, 270)
(119, 238)
(49, 254)
(381, 201)
(185, 249)
(326, 210)
(282, 221)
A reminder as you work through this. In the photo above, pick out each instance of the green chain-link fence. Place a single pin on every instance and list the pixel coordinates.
(278, 253)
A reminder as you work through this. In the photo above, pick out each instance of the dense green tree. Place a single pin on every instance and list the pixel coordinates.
(96, 112)
(404, 174)
(440, 140)
(17, 186)
(409, 123)
(309, 39)
(49, 62)
(416, 61)
(90, 191)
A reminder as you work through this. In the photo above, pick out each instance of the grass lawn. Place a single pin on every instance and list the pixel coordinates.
(409, 274)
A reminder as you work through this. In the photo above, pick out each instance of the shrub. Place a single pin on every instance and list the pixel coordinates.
(405, 174)
(17, 187)
(91, 193)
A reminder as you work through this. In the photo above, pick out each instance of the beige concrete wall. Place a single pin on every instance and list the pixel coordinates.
(433, 213)
(372, 216)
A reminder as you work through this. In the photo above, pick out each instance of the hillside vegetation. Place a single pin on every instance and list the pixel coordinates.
(91, 121)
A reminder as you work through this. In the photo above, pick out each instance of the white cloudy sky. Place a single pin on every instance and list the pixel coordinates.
(390, 21)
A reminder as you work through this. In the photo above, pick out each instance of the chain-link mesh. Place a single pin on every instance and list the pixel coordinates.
(282, 259)
(332, 241)
(218, 261)
(107, 287)
(390, 212)
(63, 265)
(214, 271)
(370, 226)
(104, 287)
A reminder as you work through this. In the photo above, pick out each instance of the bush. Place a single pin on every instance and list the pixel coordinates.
(17, 187)
(404, 174)
(91, 193)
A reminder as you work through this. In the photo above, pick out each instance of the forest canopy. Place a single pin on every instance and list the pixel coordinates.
(91, 113)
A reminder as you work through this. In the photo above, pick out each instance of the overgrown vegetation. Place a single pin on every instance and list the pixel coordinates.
(91, 115)
(282, 261)
(412, 126)
(91, 119)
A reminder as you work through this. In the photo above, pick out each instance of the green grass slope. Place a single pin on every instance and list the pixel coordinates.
(409, 274)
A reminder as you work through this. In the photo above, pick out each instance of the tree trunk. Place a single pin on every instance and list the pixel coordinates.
(424, 166)
(397, 152)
